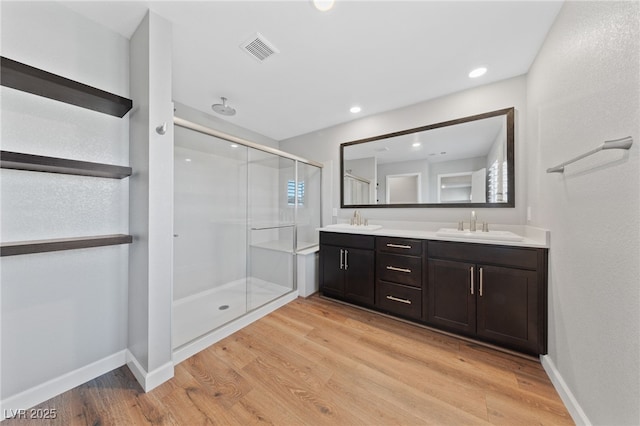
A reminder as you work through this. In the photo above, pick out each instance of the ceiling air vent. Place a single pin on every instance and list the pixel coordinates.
(259, 47)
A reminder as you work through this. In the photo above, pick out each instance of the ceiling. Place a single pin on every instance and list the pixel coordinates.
(380, 55)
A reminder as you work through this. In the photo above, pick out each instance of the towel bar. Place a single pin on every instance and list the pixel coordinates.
(624, 143)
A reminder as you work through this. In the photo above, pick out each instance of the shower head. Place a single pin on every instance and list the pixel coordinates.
(223, 108)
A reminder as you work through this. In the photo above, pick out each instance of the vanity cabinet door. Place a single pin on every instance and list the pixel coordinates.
(332, 272)
(507, 305)
(347, 267)
(359, 276)
(452, 300)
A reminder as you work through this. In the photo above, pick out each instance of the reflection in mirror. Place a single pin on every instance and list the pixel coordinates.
(458, 163)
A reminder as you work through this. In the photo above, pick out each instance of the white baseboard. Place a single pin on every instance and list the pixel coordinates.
(149, 380)
(192, 348)
(54, 387)
(577, 413)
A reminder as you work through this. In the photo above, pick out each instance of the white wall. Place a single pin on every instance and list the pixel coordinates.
(583, 89)
(61, 311)
(324, 146)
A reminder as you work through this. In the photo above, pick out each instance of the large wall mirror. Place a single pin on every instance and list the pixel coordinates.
(467, 162)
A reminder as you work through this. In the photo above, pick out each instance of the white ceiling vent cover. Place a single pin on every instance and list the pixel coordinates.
(259, 47)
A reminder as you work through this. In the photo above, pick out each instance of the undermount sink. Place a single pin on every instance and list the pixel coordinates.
(479, 235)
(354, 227)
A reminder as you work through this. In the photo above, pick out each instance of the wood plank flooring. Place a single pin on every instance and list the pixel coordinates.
(317, 362)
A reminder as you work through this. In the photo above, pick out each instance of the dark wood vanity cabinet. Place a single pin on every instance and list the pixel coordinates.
(493, 293)
(347, 267)
(399, 276)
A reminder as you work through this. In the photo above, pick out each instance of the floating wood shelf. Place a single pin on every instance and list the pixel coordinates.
(41, 246)
(41, 163)
(39, 82)
(26, 78)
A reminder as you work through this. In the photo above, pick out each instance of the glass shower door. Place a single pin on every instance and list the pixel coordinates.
(236, 214)
(271, 268)
(210, 226)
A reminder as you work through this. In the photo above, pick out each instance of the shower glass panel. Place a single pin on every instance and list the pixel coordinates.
(210, 230)
(272, 227)
(308, 217)
(241, 212)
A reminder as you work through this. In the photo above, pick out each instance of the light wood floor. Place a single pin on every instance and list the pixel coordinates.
(317, 362)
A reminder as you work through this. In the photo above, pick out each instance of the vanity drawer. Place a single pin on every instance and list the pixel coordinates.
(399, 269)
(399, 299)
(345, 239)
(524, 258)
(399, 245)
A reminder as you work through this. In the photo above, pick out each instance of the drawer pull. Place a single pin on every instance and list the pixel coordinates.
(397, 299)
(402, 246)
(393, 268)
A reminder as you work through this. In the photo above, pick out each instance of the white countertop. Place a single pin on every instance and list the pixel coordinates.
(532, 236)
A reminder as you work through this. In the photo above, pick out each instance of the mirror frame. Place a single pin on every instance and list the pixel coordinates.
(509, 114)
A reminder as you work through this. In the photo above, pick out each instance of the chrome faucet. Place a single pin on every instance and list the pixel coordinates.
(472, 223)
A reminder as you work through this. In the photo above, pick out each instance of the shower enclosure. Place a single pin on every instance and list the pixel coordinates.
(241, 212)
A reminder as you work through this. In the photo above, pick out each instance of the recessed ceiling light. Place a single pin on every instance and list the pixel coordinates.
(477, 72)
(234, 145)
(415, 144)
(188, 160)
(355, 109)
(323, 5)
